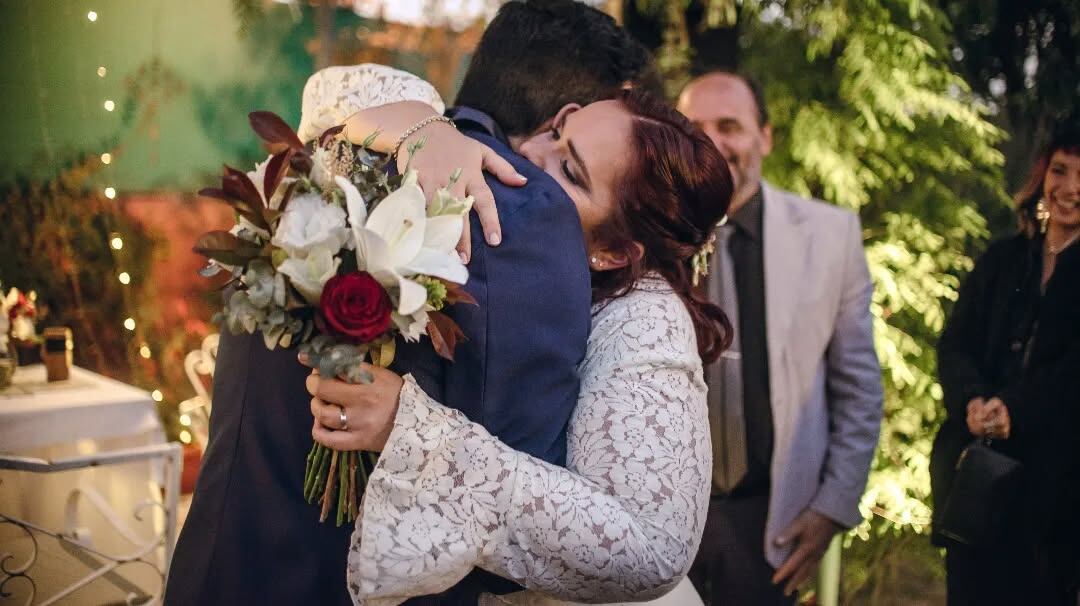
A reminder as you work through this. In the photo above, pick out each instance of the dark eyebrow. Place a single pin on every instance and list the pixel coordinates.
(725, 122)
(581, 164)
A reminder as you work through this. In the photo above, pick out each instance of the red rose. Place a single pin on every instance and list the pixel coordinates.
(355, 305)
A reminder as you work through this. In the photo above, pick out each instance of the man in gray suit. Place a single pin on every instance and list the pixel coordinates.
(795, 404)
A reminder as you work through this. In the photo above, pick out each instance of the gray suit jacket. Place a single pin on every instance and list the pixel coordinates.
(823, 370)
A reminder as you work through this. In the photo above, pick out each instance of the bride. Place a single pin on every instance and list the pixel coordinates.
(623, 520)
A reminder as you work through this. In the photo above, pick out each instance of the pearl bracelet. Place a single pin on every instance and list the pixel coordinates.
(419, 125)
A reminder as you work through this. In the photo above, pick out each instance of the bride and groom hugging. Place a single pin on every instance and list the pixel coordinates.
(567, 448)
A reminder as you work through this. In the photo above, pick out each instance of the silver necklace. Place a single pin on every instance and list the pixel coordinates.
(1054, 250)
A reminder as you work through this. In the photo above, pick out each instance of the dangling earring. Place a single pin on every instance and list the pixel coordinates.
(1042, 215)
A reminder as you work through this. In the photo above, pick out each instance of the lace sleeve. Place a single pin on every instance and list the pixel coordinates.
(333, 94)
(623, 521)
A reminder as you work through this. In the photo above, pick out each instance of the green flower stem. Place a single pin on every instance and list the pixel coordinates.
(331, 482)
(311, 481)
(314, 458)
(354, 460)
(321, 479)
(343, 486)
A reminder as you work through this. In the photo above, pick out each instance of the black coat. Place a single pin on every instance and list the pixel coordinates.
(1005, 339)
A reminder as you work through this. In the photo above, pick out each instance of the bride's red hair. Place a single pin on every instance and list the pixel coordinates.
(669, 200)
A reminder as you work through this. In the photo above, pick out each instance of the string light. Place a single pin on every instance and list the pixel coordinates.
(117, 243)
(185, 436)
(185, 419)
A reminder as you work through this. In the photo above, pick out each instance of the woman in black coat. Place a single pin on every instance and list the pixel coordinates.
(1009, 364)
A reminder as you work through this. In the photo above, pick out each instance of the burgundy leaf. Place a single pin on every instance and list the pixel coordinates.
(220, 240)
(445, 334)
(301, 163)
(220, 194)
(275, 172)
(226, 248)
(273, 130)
(288, 196)
(455, 293)
(238, 185)
(330, 133)
(214, 192)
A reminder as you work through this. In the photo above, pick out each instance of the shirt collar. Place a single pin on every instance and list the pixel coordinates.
(471, 118)
(748, 218)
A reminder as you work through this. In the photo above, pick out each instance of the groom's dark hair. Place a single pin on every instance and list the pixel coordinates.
(538, 55)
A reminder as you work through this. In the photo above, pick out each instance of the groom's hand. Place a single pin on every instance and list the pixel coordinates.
(446, 151)
(811, 533)
(368, 410)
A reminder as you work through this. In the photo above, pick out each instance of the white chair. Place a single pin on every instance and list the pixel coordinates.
(199, 366)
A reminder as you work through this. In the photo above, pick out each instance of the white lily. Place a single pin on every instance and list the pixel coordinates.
(397, 241)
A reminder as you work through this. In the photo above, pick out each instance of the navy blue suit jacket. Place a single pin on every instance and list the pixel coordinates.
(250, 537)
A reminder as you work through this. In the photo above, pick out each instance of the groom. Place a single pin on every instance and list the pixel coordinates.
(250, 537)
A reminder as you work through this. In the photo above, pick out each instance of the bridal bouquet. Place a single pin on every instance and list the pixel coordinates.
(331, 254)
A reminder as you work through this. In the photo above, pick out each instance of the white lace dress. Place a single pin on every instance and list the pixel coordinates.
(621, 522)
(333, 94)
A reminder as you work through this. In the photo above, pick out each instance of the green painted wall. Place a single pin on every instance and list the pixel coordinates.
(52, 100)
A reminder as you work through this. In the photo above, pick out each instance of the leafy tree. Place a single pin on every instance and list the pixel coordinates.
(869, 112)
(1024, 58)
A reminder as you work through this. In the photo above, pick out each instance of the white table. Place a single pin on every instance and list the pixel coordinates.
(88, 491)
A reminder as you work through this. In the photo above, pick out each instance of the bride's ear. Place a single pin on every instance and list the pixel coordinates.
(608, 260)
(560, 118)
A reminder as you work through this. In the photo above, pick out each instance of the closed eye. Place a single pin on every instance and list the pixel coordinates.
(569, 175)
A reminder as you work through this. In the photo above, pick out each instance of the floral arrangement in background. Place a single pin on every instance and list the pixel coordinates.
(17, 313)
(332, 254)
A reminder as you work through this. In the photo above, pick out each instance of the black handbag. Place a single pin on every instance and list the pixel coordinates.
(983, 491)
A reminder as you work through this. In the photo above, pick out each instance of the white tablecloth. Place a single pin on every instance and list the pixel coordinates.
(85, 415)
(35, 413)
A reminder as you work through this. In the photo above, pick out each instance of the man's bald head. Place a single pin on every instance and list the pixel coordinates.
(731, 109)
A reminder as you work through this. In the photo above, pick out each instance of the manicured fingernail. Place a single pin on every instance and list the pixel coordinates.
(521, 177)
(494, 238)
(464, 257)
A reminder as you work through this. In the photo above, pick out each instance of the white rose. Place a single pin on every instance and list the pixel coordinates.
(309, 275)
(309, 223)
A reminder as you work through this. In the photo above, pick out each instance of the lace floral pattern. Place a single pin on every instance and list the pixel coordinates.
(333, 94)
(622, 521)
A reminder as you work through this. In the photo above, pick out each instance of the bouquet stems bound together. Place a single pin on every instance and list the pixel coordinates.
(331, 254)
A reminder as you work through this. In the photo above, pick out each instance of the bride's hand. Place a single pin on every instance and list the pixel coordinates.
(368, 410)
(446, 151)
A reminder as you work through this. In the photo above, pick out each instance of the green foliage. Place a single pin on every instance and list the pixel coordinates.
(869, 114)
(55, 239)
